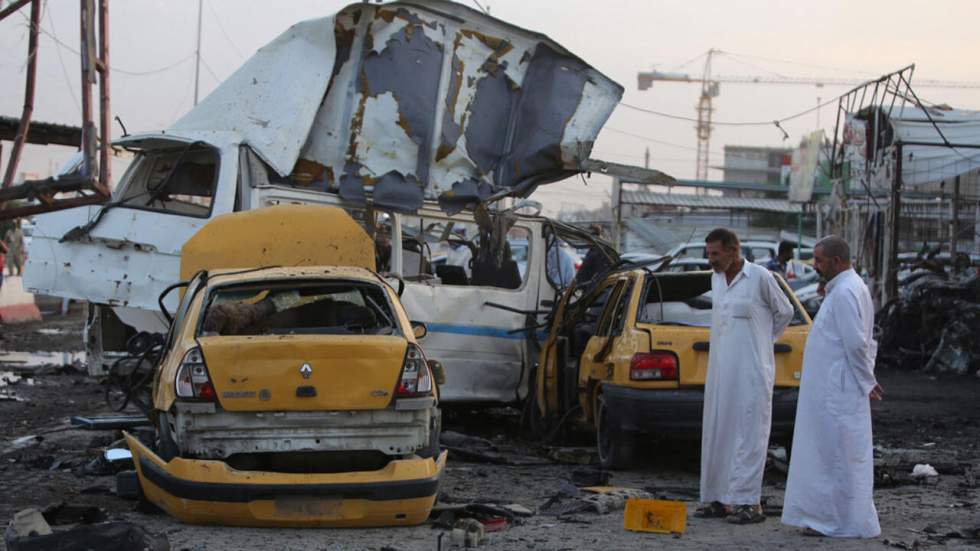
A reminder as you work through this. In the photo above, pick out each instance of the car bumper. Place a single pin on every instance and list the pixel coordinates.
(204, 432)
(678, 412)
(211, 492)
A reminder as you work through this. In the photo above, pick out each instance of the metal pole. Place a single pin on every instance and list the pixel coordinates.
(819, 212)
(954, 222)
(25, 118)
(12, 8)
(799, 233)
(88, 79)
(617, 195)
(397, 256)
(197, 53)
(891, 283)
(105, 164)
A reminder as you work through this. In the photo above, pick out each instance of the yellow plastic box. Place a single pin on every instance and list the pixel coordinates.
(655, 515)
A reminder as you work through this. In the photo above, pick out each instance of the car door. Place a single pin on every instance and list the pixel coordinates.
(592, 363)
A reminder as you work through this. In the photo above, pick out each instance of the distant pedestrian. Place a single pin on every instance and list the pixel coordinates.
(15, 244)
(559, 265)
(778, 263)
(831, 471)
(595, 263)
(3, 255)
(749, 312)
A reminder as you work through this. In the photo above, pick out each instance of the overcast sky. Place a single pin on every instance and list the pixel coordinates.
(152, 47)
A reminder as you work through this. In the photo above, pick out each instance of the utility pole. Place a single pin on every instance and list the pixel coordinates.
(197, 53)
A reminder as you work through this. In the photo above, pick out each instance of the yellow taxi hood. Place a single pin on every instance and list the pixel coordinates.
(284, 235)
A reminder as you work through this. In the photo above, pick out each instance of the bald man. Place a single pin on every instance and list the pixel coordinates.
(831, 472)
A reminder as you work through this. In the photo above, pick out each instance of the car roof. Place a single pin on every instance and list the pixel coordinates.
(229, 276)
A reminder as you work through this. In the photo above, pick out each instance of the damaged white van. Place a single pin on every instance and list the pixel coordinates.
(413, 116)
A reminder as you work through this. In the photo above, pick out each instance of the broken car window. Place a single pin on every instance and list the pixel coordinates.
(445, 252)
(173, 180)
(288, 308)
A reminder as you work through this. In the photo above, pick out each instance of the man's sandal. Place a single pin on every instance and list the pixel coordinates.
(715, 509)
(812, 533)
(745, 514)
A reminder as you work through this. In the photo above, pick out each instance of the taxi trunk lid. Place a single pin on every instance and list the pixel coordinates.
(304, 372)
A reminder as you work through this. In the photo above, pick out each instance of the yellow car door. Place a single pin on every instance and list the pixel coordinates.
(593, 363)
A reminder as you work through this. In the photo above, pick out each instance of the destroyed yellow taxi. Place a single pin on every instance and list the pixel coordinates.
(630, 357)
(291, 390)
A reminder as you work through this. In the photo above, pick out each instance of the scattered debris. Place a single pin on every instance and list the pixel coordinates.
(676, 493)
(467, 533)
(914, 546)
(590, 477)
(8, 379)
(28, 531)
(570, 500)
(941, 315)
(447, 515)
(109, 462)
(575, 456)
(114, 455)
(923, 470)
(62, 513)
(494, 525)
(481, 450)
(23, 442)
(969, 479)
(110, 422)
(41, 363)
(777, 459)
(26, 523)
(127, 485)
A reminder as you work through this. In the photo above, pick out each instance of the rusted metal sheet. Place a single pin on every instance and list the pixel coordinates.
(409, 101)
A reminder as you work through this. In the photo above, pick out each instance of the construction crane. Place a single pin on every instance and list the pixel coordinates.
(711, 87)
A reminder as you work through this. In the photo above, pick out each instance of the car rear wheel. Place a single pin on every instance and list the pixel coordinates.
(616, 447)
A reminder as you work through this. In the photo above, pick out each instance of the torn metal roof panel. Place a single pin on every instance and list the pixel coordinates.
(413, 101)
(709, 202)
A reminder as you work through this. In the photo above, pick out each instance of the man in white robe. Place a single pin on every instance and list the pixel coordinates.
(831, 471)
(749, 312)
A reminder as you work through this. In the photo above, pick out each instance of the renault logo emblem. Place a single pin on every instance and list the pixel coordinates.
(306, 371)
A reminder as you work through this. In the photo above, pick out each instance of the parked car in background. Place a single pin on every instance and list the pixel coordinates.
(757, 251)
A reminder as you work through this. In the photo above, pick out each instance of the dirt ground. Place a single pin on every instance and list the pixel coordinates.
(923, 419)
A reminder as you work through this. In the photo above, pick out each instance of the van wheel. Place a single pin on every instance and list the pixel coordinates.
(166, 447)
(535, 426)
(616, 447)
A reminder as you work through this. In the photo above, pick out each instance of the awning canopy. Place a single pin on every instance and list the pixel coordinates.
(709, 202)
(930, 138)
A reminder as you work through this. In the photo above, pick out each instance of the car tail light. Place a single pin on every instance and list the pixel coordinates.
(653, 366)
(415, 380)
(192, 377)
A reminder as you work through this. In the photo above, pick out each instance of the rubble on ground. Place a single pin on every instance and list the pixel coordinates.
(30, 530)
(932, 325)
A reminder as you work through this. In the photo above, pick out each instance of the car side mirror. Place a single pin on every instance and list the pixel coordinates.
(419, 329)
(438, 372)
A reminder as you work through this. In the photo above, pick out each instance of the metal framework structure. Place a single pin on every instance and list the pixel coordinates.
(876, 101)
(710, 88)
(89, 185)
